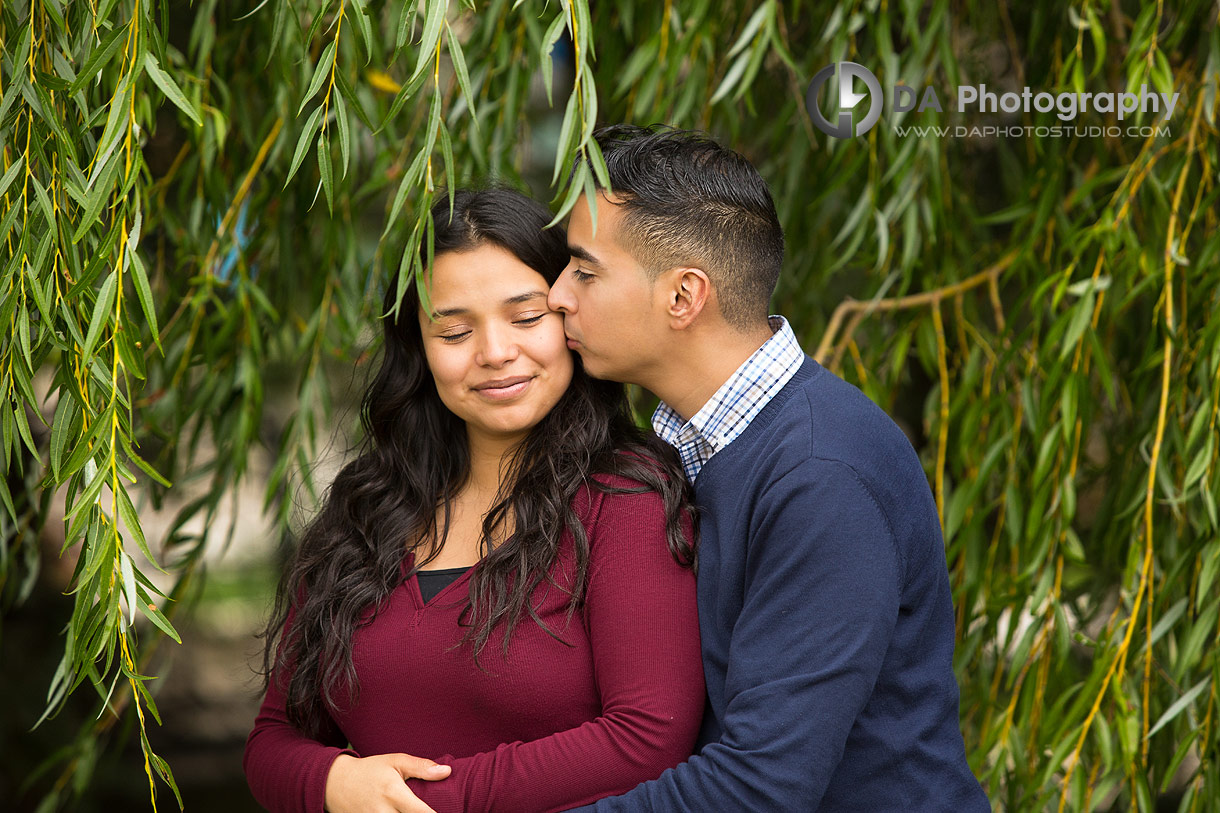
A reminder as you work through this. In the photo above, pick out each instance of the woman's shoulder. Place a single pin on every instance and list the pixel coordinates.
(642, 469)
(628, 491)
(628, 474)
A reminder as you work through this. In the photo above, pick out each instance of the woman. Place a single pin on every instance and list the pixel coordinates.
(502, 580)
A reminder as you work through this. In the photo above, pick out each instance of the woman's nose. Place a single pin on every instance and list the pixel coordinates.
(498, 347)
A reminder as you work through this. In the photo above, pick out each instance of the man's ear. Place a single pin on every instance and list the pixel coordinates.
(688, 291)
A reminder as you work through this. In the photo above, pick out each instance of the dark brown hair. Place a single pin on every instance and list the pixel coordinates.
(413, 460)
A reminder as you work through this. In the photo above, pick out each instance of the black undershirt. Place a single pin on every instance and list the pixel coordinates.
(432, 582)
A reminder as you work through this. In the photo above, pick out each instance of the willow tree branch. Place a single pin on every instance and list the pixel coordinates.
(859, 308)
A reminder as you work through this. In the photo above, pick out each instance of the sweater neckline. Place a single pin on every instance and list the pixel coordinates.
(416, 592)
(808, 369)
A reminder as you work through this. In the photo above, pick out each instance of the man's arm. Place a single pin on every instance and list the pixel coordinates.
(821, 597)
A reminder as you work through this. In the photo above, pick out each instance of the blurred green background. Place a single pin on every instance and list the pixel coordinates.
(201, 202)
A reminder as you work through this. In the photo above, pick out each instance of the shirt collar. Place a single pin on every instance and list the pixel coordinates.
(738, 401)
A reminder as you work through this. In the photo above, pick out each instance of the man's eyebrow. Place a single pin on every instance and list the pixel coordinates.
(512, 300)
(583, 255)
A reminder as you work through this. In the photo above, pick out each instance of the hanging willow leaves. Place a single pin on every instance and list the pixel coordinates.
(1035, 307)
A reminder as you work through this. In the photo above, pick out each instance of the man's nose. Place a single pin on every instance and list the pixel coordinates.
(560, 298)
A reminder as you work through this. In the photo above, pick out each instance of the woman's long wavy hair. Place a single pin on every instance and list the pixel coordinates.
(413, 460)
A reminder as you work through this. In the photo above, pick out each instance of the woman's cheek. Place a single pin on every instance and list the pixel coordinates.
(448, 365)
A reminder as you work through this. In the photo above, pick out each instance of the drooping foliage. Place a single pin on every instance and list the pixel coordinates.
(193, 193)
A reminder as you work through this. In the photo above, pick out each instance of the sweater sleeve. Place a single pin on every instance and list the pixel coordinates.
(821, 599)
(286, 769)
(643, 630)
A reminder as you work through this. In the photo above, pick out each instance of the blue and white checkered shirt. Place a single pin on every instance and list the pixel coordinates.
(738, 401)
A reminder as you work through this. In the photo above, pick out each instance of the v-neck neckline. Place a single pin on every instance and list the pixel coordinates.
(417, 594)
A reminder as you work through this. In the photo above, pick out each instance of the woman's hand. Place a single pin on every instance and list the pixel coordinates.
(377, 784)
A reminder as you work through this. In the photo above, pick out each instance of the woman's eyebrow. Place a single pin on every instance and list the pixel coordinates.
(512, 300)
(526, 297)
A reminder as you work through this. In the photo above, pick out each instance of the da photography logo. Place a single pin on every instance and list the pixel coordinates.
(1067, 106)
(848, 99)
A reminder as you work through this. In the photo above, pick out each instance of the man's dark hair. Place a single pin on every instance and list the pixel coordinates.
(686, 200)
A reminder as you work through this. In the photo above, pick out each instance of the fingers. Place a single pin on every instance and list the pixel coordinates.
(419, 768)
(405, 801)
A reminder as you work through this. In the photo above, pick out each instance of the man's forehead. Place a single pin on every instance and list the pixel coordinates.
(595, 218)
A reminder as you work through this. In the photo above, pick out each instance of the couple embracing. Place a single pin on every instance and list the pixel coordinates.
(498, 607)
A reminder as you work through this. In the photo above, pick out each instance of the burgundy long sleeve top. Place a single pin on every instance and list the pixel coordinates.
(553, 724)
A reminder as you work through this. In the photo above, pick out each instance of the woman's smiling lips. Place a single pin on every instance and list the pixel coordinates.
(501, 389)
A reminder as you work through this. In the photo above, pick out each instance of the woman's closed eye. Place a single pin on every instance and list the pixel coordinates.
(458, 334)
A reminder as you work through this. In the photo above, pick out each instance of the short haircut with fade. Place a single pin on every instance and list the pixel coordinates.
(686, 200)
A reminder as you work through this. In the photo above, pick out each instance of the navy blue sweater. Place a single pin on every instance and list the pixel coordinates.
(826, 621)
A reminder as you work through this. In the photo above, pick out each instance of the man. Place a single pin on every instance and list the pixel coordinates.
(824, 603)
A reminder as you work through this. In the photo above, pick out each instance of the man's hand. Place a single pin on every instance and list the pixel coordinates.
(377, 784)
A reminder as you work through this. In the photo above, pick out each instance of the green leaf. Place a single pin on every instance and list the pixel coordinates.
(116, 115)
(156, 616)
(311, 128)
(11, 174)
(753, 25)
(103, 309)
(277, 28)
(405, 186)
(451, 176)
(366, 28)
(1180, 705)
(590, 117)
(44, 203)
(321, 72)
(1209, 565)
(576, 186)
(141, 463)
(129, 585)
(86, 446)
(63, 425)
(580, 9)
(324, 169)
(731, 78)
(144, 292)
(598, 163)
(96, 199)
(163, 770)
(344, 132)
(94, 480)
(23, 425)
(1168, 620)
(98, 58)
(566, 134)
(170, 88)
(434, 15)
(1199, 465)
(1202, 631)
(320, 16)
(463, 76)
(553, 33)
(127, 513)
(1081, 316)
(348, 92)
(406, 20)
(41, 300)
